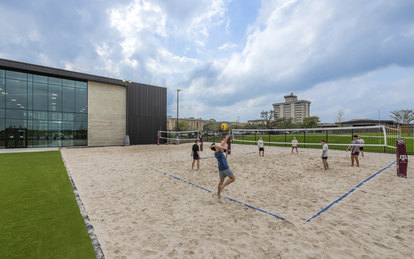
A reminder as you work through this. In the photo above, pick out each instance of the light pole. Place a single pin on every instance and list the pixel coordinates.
(178, 90)
(127, 142)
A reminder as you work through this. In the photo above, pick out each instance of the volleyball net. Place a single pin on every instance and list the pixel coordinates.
(374, 138)
(177, 137)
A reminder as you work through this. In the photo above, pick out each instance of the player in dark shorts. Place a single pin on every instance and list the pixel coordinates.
(354, 150)
(324, 155)
(195, 153)
(223, 167)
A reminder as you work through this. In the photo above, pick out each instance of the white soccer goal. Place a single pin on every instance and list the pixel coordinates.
(177, 137)
(375, 137)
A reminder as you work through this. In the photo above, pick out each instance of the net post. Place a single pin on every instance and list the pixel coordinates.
(385, 139)
(304, 138)
(269, 137)
(285, 139)
(327, 140)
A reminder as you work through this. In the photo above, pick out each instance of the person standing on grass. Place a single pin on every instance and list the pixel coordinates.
(295, 145)
(324, 155)
(260, 144)
(354, 150)
(361, 147)
(223, 167)
(195, 153)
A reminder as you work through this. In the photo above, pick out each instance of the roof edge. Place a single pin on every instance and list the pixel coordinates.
(50, 71)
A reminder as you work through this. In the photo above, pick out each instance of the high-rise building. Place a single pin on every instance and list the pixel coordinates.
(292, 108)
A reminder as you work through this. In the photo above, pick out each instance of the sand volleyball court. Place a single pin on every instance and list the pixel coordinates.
(138, 212)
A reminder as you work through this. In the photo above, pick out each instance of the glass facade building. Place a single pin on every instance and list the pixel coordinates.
(42, 111)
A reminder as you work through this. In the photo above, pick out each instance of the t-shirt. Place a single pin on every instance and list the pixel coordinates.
(260, 143)
(362, 142)
(325, 148)
(355, 148)
(294, 142)
(195, 149)
(221, 159)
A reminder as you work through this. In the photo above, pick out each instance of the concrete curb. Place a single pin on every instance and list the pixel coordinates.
(91, 231)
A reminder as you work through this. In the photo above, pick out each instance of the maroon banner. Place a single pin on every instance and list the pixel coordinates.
(201, 143)
(228, 146)
(158, 140)
(402, 159)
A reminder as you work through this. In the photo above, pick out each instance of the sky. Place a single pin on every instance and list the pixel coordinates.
(232, 58)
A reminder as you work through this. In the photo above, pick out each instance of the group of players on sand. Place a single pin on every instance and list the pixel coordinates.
(223, 167)
(356, 146)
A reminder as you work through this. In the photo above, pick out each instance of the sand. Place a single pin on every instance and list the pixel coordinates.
(138, 212)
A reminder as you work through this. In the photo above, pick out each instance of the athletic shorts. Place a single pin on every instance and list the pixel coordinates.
(325, 158)
(261, 149)
(355, 154)
(225, 173)
(361, 148)
(196, 157)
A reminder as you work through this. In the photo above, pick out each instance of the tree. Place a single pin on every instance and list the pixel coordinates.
(340, 117)
(182, 126)
(402, 116)
(267, 117)
(211, 126)
(311, 122)
(284, 123)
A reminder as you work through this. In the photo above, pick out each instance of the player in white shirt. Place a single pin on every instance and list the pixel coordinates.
(361, 147)
(260, 144)
(295, 145)
(325, 155)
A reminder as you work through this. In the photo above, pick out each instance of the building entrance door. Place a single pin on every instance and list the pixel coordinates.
(16, 138)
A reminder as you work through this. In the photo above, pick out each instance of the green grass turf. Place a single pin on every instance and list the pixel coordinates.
(330, 138)
(39, 216)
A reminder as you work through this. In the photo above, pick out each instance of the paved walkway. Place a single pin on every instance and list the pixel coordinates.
(23, 150)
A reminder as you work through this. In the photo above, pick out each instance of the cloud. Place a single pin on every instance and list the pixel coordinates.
(228, 67)
(227, 46)
(300, 45)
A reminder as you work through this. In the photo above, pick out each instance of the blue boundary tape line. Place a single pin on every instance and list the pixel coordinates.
(207, 190)
(250, 206)
(346, 194)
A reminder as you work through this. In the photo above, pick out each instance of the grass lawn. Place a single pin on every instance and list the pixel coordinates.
(39, 216)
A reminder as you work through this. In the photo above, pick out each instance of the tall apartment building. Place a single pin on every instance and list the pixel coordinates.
(292, 108)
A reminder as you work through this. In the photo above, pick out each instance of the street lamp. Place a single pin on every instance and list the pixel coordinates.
(178, 90)
(127, 142)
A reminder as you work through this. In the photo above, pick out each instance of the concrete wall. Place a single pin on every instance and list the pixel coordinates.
(106, 114)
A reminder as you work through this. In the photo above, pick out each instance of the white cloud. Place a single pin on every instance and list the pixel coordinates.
(227, 46)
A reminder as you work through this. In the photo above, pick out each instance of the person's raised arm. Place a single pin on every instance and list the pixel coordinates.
(218, 147)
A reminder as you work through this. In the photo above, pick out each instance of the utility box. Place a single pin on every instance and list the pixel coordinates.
(402, 159)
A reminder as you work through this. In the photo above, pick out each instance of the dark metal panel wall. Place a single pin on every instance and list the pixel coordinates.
(147, 112)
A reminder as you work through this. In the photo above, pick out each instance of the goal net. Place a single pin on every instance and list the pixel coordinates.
(375, 138)
(174, 137)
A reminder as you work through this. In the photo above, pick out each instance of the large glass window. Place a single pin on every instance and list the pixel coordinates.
(40, 100)
(55, 98)
(16, 94)
(53, 110)
(69, 100)
(2, 93)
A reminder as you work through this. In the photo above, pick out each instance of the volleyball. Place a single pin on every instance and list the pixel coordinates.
(224, 127)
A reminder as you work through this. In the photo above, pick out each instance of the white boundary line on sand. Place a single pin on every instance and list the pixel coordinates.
(91, 231)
